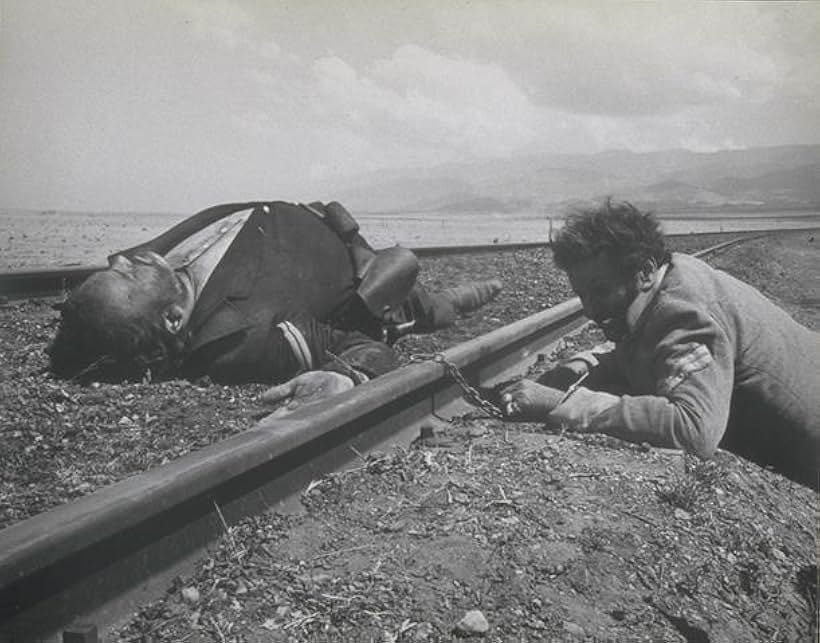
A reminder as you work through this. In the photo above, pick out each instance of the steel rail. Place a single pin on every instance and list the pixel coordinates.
(49, 282)
(98, 557)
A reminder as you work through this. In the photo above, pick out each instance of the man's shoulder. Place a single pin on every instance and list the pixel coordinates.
(690, 279)
(688, 267)
(687, 294)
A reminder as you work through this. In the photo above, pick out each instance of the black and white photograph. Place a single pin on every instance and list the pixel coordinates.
(407, 322)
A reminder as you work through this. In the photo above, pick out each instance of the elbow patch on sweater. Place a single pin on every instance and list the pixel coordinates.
(687, 359)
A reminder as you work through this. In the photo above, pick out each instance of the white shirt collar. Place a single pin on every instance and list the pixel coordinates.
(199, 255)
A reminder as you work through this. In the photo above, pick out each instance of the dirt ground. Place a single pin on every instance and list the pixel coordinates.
(549, 537)
(505, 533)
(62, 440)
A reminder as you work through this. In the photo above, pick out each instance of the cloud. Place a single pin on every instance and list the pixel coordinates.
(424, 99)
(471, 79)
(227, 24)
(627, 58)
(169, 95)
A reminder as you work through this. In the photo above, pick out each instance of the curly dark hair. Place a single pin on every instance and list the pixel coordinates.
(624, 233)
(97, 341)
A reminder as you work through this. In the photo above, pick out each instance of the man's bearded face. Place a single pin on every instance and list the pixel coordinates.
(605, 294)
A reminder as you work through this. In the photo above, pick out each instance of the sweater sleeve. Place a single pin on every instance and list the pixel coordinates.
(602, 366)
(692, 375)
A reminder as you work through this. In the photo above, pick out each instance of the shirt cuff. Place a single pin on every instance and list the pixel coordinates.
(298, 344)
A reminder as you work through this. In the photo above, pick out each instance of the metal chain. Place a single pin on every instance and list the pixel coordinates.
(470, 393)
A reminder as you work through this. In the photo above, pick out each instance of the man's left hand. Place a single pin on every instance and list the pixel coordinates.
(305, 389)
(527, 401)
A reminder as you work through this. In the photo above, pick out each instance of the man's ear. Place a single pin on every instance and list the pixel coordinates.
(646, 275)
(173, 318)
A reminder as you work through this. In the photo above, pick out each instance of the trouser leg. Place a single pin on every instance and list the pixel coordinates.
(440, 309)
(471, 296)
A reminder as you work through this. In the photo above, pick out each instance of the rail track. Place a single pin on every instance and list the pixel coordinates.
(95, 558)
(21, 284)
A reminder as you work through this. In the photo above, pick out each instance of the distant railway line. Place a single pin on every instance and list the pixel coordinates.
(20, 284)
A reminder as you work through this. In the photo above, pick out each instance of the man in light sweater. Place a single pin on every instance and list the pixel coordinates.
(701, 360)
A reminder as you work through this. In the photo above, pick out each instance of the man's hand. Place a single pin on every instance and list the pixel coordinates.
(565, 375)
(527, 401)
(305, 389)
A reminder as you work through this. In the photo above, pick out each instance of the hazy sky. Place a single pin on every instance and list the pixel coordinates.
(174, 105)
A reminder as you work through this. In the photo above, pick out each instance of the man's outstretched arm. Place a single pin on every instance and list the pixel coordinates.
(693, 372)
(324, 362)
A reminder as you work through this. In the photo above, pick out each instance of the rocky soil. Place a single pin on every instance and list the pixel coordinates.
(487, 530)
(61, 440)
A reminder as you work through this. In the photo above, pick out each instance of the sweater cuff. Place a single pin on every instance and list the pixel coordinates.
(578, 409)
(590, 357)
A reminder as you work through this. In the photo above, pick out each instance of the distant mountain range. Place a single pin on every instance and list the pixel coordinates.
(769, 178)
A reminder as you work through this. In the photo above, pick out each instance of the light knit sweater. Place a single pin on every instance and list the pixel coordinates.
(710, 362)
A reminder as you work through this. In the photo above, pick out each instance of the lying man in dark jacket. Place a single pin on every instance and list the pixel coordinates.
(267, 292)
(700, 359)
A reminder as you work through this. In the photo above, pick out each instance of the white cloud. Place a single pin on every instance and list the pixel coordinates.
(229, 25)
(172, 94)
(626, 58)
(422, 98)
(455, 80)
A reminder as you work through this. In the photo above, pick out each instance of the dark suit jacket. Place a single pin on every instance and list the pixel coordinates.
(285, 265)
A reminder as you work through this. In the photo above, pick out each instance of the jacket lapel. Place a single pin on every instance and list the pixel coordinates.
(181, 231)
(224, 319)
(218, 311)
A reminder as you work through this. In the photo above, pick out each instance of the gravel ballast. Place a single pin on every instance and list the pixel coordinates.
(491, 530)
(61, 440)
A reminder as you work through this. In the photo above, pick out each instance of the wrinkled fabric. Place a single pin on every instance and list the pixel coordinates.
(711, 362)
(285, 266)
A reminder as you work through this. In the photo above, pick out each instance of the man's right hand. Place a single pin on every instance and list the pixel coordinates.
(565, 375)
(526, 401)
(307, 388)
